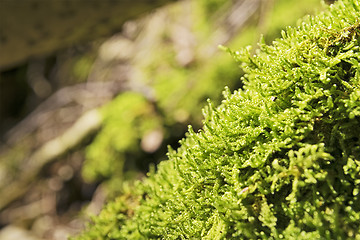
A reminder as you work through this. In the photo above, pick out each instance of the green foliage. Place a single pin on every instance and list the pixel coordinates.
(121, 134)
(114, 215)
(278, 159)
(180, 92)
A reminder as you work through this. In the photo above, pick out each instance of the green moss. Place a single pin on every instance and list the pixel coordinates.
(121, 134)
(179, 92)
(283, 13)
(278, 159)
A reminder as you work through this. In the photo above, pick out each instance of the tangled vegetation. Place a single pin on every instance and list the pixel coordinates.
(278, 159)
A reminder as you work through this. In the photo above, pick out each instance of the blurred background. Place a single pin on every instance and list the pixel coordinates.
(92, 94)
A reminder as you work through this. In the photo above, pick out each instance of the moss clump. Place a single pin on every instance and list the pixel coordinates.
(278, 159)
(175, 93)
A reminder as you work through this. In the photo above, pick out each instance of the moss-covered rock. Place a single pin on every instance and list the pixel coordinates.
(278, 159)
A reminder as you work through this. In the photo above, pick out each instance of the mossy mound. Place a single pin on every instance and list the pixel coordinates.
(278, 159)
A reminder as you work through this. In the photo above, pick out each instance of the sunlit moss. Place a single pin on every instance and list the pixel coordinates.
(179, 92)
(277, 159)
